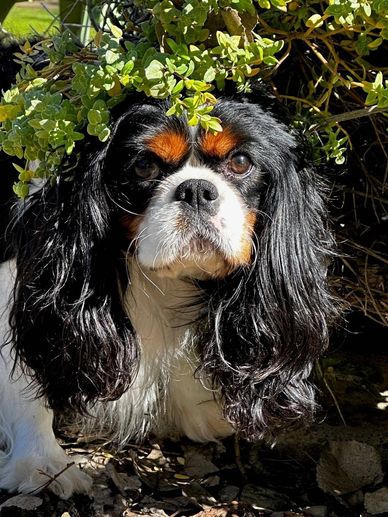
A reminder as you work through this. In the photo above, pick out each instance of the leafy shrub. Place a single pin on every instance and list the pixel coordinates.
(187, 49)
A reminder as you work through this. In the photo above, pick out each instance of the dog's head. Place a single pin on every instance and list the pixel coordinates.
(190, 199)
(235, 211)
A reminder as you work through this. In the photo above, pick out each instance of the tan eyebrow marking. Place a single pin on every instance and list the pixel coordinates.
(219, 144)
(169, 145)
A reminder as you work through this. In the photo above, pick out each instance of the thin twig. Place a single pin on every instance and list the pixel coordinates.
(237, 452)
(331, 394)
(51, 478)
(348, 115)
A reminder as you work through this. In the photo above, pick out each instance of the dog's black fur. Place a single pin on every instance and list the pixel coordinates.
(264, 325)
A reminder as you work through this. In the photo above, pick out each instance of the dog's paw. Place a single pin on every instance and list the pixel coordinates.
(34, 473)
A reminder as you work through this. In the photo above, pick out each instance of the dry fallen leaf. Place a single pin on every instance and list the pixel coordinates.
(23, 502)
(198, 466)
(215, 512)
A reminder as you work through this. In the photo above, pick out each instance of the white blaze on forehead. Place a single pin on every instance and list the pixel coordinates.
(167, 230)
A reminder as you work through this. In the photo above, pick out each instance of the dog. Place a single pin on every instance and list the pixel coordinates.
(171, 282)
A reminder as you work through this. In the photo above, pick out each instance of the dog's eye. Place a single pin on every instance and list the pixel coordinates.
(240, 164)
(146, 168)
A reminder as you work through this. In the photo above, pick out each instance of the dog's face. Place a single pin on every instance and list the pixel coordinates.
(190, 198)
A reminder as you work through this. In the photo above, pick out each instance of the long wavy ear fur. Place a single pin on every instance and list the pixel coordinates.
(68, 324)
(268, 323)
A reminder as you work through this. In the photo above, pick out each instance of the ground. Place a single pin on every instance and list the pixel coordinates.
(335, 468)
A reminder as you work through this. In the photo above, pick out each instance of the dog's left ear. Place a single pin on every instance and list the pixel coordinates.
(69, 328)
(269, 322)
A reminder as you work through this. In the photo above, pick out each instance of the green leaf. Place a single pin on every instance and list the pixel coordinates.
(116, 31)
(209, 75)
(154, 70)
(214, 125)
(94, 117)
(178, 87)
(375, 43)
(128, 67)
(111, 57)
(104, 134)
(21, 189)
(172, 110)
(315, 20)
(9, 111)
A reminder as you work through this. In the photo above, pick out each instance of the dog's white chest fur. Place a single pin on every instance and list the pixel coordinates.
(167, 397)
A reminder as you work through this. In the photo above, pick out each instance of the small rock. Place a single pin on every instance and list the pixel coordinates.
(211, 481)
(355, 499)
(197, 493)
(315, 511)
(132, 483)
(377, 502)
(228, 493)
(264, 498)
(156, 455)
(347, 466)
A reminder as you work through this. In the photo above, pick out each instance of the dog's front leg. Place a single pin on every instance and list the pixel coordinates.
(30, 456)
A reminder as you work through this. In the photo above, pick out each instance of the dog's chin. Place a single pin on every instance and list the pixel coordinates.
(197, 259)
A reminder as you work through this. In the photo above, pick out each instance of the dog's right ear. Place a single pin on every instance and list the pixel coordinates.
(69, 328)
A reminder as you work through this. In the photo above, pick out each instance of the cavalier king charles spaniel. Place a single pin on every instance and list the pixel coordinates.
(170, 282)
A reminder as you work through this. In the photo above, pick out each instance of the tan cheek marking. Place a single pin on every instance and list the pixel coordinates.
(244, 257)
(131, 224)
(169, 146)
(224, 269)
(219, 144)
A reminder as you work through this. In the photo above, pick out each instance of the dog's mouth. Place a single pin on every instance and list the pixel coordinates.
(197, 246)
(196, 256)
(199, 236)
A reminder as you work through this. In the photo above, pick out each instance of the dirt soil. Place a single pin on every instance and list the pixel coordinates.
(336, 468)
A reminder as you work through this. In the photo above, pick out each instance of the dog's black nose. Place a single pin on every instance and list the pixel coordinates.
(199, 194)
